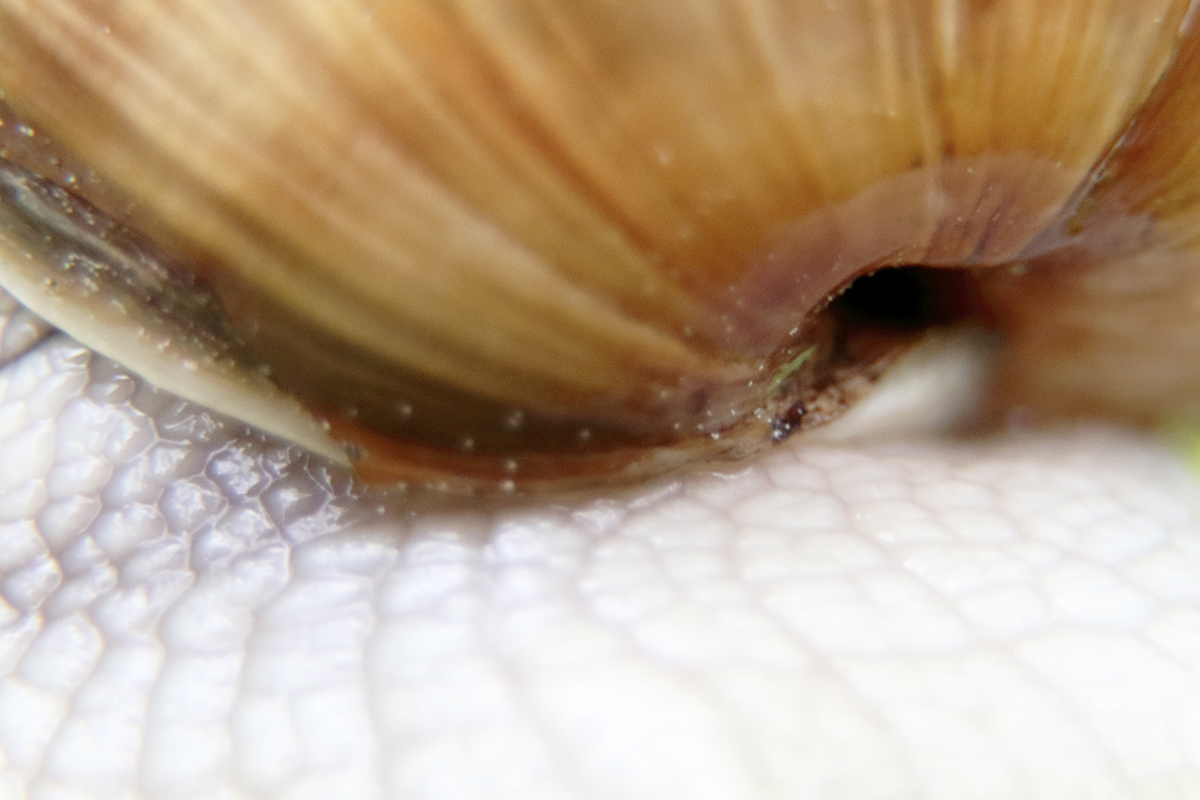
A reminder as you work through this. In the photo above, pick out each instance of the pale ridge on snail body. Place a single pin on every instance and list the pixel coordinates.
(503, 244)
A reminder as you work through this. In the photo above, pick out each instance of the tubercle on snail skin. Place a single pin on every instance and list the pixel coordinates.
(616, 223)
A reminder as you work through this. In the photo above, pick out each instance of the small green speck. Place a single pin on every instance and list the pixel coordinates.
(789, 369)
(1184, 435)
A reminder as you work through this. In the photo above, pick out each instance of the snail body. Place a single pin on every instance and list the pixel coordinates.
(520, 245)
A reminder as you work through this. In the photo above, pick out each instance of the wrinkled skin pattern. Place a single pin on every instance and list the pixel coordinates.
(190, 611)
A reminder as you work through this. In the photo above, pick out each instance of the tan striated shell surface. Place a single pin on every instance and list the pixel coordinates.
(542, 243)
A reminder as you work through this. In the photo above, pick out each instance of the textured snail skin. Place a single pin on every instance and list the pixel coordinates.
(191, 612)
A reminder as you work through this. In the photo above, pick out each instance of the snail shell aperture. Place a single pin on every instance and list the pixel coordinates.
(532, 244)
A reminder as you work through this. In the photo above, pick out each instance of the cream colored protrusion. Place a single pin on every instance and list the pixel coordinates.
(72, 266)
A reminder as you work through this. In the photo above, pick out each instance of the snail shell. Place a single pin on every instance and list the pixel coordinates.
(520, 244)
